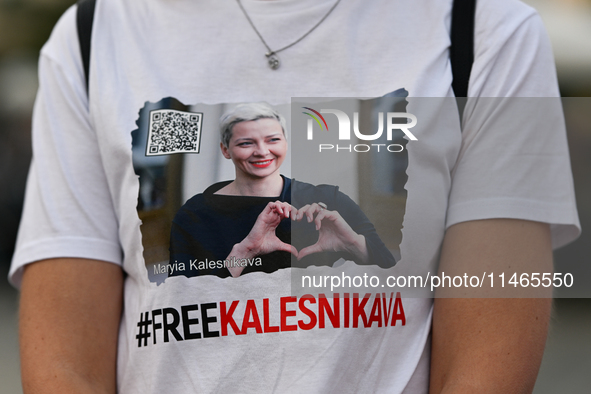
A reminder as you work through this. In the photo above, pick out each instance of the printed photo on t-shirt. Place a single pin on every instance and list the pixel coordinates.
(228, 190)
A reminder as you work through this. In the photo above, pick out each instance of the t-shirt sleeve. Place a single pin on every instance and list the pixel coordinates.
(68, 209)
(514, 160)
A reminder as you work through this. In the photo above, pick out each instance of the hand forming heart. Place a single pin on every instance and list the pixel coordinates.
(335, 234)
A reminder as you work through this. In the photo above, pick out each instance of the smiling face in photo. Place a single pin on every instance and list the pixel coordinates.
(257, 148)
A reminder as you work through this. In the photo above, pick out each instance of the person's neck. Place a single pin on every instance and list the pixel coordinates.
(270, 186)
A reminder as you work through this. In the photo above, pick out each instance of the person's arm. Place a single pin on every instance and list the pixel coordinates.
(491, 345)
(262, 238)
(70, 310)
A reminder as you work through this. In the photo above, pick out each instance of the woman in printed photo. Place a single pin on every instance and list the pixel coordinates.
(263, 221)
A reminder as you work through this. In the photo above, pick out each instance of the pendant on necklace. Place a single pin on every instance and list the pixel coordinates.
(273, 60)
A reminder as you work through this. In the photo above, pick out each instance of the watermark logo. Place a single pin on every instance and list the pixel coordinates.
(310, 131)
(344, 132)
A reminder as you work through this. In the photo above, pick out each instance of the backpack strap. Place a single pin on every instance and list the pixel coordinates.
(461, 51)
(84, 19)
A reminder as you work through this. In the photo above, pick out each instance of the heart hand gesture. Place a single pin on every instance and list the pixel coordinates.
(262, 238)
(335, 234)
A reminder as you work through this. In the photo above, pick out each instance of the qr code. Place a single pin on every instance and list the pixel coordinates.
(172, 131)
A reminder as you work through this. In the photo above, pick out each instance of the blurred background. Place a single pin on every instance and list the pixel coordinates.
(26, 24)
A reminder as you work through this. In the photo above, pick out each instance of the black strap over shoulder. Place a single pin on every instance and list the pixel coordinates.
(84, 19)
(461, 51)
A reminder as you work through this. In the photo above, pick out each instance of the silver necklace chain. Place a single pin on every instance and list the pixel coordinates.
(272, 58)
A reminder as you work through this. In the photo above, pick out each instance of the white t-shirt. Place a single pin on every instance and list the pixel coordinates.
(82, 195)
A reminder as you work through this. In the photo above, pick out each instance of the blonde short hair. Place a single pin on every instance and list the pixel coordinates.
(245, 113)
